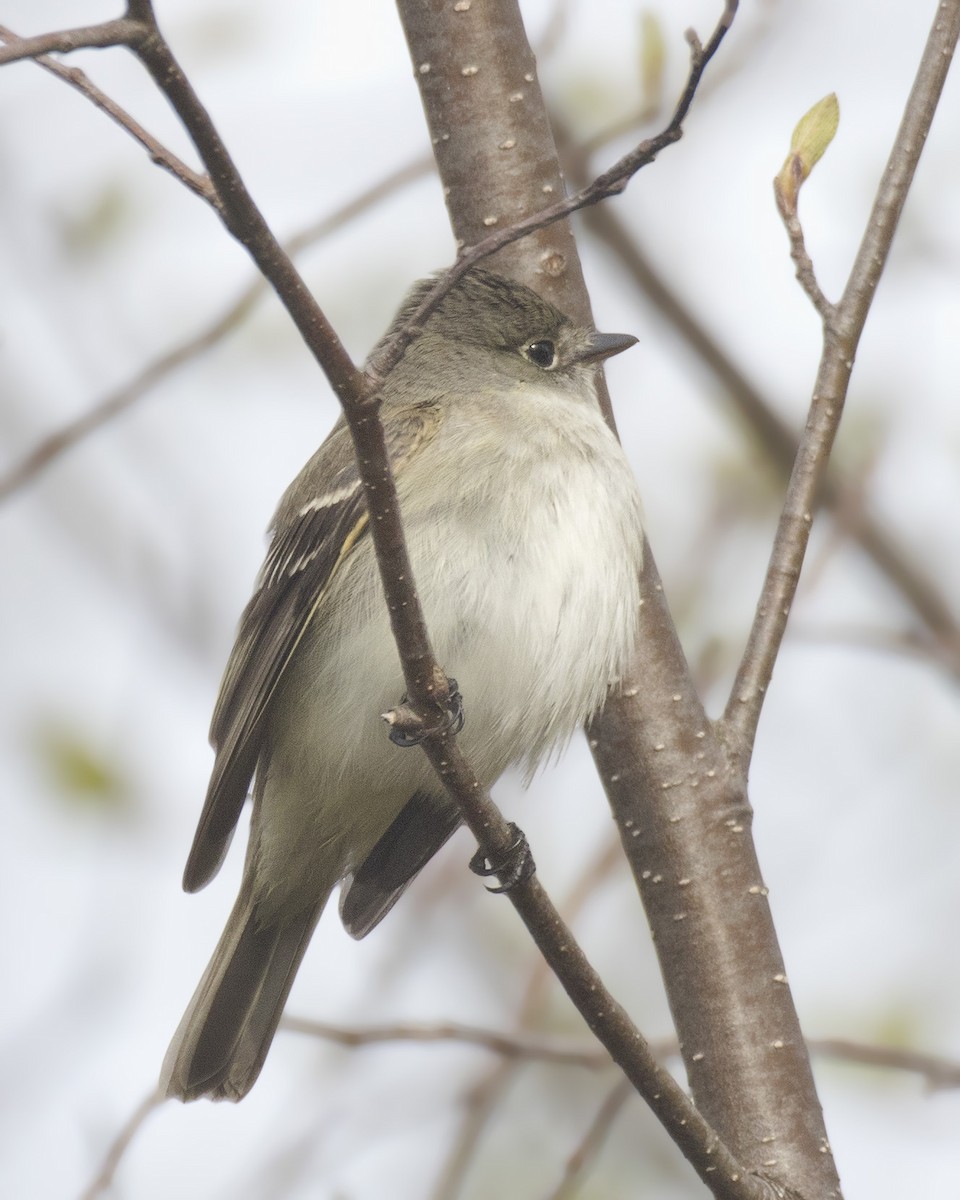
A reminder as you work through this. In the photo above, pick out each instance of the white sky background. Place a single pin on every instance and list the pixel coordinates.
(125, 567)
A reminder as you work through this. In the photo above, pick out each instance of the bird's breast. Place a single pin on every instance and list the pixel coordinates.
(529, 576)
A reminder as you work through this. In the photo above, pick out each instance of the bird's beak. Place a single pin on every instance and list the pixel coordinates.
(605, 345)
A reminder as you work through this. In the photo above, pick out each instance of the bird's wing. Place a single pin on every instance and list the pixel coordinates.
(422, 827)
(321, 521)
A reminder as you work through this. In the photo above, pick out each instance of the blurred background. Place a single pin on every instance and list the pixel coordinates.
(128, 558)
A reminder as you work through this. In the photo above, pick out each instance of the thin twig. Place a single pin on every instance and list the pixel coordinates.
(71, 434)
(900, 642)
(118, 1147)
(919, 590)
(592, 1142)
(486, 1094)
(611, 182)
(122, 32)
(938, 1073)
(806, 274)
(511, 1046)
(841, 336)
(199, 184)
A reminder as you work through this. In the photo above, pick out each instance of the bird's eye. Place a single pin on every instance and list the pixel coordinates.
(544, 354)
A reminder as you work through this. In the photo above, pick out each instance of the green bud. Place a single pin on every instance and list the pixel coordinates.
(814, 132)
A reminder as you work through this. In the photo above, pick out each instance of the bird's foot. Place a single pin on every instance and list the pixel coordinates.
(407, 728)
(513, 867)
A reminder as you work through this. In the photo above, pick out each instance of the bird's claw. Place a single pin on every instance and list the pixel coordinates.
(513, 867)
(407, 727)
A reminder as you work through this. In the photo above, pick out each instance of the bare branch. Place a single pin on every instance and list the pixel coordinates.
(159, 153)
(592, 1143)
(120, 1144)
(777, 439)
(610, 183)
(677, 792)
(842, 331)
(122, 32)
(938, 1073)
(70, 435)
(515, 1047)
(486, 1094)
(806, 275)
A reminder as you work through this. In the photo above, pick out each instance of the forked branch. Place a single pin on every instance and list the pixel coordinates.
(843, 326)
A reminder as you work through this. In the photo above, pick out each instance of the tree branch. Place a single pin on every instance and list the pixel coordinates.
(775, 436)
(71, 434)
(76, 78)
(122, 32)
(103, 1180)
(843, 325)
(677, 791)
(486, 1094)
(592, 1142)
(937, 1072)
(490, 41)
(511, 1046)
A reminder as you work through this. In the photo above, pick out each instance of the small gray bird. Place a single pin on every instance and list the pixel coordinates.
(523, 524)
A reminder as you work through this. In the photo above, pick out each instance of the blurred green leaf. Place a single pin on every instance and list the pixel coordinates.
(81, 774)
(87, 229)
(653, 57)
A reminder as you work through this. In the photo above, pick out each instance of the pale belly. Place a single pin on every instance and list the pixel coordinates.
(534, 615)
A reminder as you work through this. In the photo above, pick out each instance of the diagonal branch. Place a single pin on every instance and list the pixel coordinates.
(592, 1142)
(139, 32)
(69, 435)
(778, 440)
(678, 795)
(103, 1181)
(487, 1092)
(611, 182)
(78, 79)
(843, 326)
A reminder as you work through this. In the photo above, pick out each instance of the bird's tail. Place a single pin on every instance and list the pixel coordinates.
(225, 1033)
